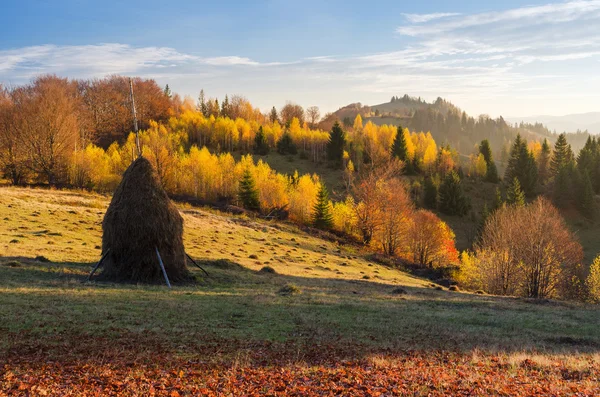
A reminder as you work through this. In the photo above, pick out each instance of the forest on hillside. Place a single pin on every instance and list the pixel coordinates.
(448, 124)
(397, 181)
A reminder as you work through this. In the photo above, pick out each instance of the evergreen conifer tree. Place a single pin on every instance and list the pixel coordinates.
(261, 146)
(322, 217)
(498, 202)
(522, 165)
(514, 194)
(286, 145)
(399, 150)
(561, 156)
(561, 193)
(335, 146)
(273, 116)
(544, 162)
(248, 193)
(491, 174)
(430, 193)
(587, 203)
(452, 200)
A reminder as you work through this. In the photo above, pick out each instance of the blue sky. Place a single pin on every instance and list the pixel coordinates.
(512, 57)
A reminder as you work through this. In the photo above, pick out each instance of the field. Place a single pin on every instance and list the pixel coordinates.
(327, 321)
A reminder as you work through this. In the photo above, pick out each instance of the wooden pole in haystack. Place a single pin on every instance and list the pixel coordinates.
(135, 122)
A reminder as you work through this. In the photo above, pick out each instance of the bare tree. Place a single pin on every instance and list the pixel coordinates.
(291, 110)
(313, 115)
(528, 251)
(12, 152)
(47, 121)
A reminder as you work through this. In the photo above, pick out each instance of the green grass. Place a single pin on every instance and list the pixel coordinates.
(48, 304)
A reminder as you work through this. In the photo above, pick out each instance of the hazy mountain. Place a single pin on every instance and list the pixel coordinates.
(569, 123)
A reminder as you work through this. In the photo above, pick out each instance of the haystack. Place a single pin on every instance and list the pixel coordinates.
(140, 219)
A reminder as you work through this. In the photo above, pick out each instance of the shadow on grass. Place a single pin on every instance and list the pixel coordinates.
(46, 307)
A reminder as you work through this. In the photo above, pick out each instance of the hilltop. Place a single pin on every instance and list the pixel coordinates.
(448, 124)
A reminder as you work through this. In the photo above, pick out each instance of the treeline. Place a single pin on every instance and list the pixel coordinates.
(378, 208)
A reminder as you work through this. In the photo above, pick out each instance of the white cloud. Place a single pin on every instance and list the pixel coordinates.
(420, 18)
(519, 54)
(549, 13)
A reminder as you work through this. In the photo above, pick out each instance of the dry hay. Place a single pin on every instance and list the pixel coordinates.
(139, 218)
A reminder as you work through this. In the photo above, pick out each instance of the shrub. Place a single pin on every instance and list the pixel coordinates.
(289, 289)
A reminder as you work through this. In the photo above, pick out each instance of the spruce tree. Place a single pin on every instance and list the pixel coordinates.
(452, 200)
(335, 146)
(491, 174)
(512, 167)
(322, 217)
(273, 116)
(522, 165)
(399, 150)
(225, 107)
(587, 203)
(587, 160)
(261, 146)
(561, 191)
(248, 193)
(286, 145)
(430, 194)
(202, 106)
(561, 156)
(514, 194)
(167, 92)
(544, 162)
(498, 202)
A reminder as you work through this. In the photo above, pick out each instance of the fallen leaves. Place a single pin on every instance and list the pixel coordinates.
(432, 373)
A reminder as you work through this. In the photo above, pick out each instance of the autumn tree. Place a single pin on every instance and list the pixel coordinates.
(13, 156)
(289, 111)
(528, 251)
(393, 214)
(322, 217)
(592, 281)
(368, 206)
(48, 125)
(248, 194)
(431, 241)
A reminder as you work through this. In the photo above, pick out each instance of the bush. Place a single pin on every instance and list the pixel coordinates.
(267, 270)
(289, 289)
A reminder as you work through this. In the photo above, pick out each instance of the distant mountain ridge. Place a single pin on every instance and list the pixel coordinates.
(448, 124)
(568, 123)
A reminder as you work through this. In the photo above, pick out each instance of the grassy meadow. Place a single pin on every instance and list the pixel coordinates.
(327, 319)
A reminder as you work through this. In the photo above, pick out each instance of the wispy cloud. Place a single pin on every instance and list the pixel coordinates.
(549, 13)
(517, 54)
(420, 18)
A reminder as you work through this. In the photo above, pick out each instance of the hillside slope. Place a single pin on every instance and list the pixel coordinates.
(327, 320)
